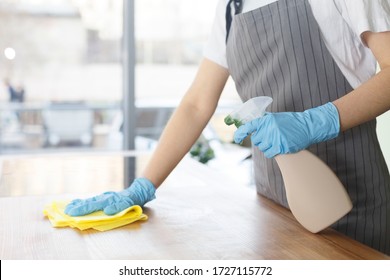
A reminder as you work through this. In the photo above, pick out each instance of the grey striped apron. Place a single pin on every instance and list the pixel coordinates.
(277, 51)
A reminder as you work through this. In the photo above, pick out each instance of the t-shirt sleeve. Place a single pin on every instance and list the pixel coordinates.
(365, 15)
(215, 48)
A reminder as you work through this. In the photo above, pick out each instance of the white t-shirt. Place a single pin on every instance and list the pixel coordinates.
(341, 22)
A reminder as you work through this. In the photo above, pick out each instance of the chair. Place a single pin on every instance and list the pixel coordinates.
(68, 123)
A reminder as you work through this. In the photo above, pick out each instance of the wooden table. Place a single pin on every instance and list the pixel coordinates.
(198, 214)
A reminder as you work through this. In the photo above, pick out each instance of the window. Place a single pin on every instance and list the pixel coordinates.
(61, 85)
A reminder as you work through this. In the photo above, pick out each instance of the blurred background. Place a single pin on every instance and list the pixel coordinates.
(61, 69)
(67, 85)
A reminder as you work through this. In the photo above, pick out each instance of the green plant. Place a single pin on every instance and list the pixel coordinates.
(202, 151)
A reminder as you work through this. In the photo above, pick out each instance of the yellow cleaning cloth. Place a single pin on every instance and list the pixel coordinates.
(97, 220)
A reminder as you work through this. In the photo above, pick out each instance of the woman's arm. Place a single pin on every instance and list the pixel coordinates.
(188, 121)
(287, 132)
(181, 132)
(372, 98)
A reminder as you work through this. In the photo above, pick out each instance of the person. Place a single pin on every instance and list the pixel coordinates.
(11, 90)
(20, 94)
(317, 60)
(16, 94)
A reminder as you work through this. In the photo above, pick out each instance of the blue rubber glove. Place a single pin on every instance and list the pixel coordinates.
(140, 192)
(288, 132)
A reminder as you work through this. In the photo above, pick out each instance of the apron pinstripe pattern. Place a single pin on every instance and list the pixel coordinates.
(277, 51)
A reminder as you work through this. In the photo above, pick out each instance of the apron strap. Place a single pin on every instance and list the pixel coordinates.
(228, 16)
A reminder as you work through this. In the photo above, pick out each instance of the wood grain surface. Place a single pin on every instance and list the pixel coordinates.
(198, 214)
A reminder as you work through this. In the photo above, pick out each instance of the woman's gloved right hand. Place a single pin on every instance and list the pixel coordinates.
(290, 132)
(140, 192)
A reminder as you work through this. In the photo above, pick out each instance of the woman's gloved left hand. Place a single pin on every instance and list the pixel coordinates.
(290, 132)
(140, 192)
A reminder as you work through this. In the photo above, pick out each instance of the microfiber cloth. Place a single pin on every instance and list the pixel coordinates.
(97, 220)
